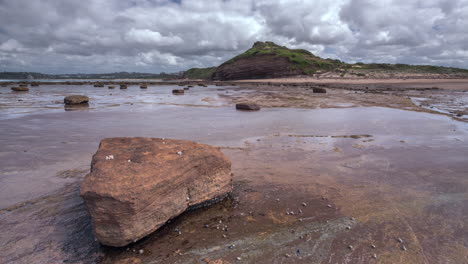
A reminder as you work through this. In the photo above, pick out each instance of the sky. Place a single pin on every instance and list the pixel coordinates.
(97, 36)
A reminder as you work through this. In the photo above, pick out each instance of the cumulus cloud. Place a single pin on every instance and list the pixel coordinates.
(162, 35)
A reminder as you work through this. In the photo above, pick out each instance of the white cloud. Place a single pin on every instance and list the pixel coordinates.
(163, 35)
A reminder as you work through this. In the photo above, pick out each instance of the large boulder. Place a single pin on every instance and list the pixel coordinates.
(137, 184)
(76, 100)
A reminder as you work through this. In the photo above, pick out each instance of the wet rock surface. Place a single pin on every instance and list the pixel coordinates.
(137, 184)
(368, 176)
(76, 100)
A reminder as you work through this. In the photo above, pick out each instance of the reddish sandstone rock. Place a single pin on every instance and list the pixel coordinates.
(137, 184)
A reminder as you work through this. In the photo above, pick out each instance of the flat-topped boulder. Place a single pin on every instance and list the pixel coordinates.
(20, 89)
(76, 100)
(137, 184)
(247, 106)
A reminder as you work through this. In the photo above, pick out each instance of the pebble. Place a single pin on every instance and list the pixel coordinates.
(373, 246)
(238, 258)
(350, 247)
(400, 240)
(224, 236)
(304, 204)
(179, 153)
(110, 157)
(188, 198)
(300, 211)
(287, 255)
(129, 160)
(206, 226)
(232, 246)
(141, 251)
(403, 248)
(348, 228)
(300, 220)
(329, 206)
(374, 256)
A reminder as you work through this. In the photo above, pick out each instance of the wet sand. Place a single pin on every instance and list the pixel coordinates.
(367, 175)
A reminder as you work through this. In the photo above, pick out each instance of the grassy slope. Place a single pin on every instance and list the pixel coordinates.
(199, 73)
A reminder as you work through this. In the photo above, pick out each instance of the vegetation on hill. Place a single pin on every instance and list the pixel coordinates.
(299, 58)
(199, 73)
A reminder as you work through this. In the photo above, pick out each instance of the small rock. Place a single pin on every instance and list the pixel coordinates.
(76, 100)
(304, 204)
(20, 89)
(348, 228)
(350, 247)
(287, 255)
(178, 91)
(373, 246)
(403, 248)
(319, 90)
(179, 153)
(374, 256)
(141, 251)
(247, 107)
(206, 226)
(329, 206)
(400, 240)
(110, 157)
(238, 258)
(232, 246)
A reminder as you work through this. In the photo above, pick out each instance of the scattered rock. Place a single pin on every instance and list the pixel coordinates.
(186, 88)
(123, 86)
(129, 200)
(319, 90)
(76, 100)
(111, 87)
(178, 91)
(20, 89)
(144, 86)
(247, 106)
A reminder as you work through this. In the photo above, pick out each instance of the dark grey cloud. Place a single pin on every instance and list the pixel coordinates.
(161, 35)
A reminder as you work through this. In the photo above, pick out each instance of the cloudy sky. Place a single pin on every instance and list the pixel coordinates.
(72, 36)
